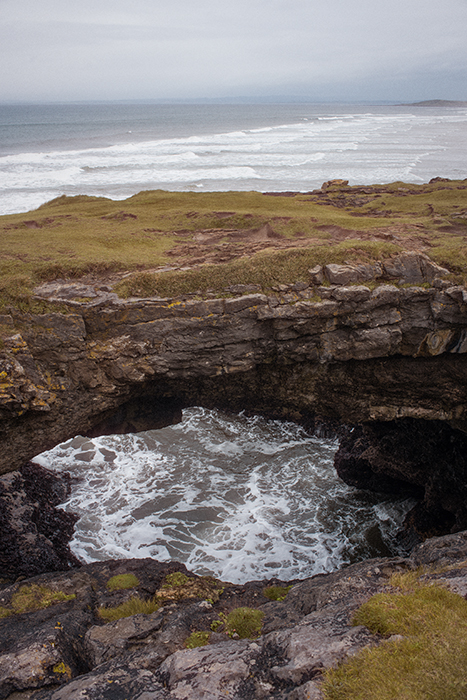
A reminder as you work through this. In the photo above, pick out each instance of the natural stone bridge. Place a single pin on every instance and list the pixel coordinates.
(355, 355)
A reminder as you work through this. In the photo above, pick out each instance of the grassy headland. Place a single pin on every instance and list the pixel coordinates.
(177, 243)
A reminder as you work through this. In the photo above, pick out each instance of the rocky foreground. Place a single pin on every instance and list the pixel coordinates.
(67, 651)
(56, 643)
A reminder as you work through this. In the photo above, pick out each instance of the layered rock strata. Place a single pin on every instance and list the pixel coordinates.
(346, 353)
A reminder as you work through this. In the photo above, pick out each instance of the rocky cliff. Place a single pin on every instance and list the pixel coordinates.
(340, 351)
(381, 348)
(347, 347)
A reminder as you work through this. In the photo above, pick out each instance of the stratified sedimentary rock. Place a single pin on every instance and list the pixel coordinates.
(346, 353)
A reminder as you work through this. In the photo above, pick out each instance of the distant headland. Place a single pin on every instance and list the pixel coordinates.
(439, 103)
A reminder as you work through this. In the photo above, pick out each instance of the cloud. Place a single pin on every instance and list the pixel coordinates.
(60, 49)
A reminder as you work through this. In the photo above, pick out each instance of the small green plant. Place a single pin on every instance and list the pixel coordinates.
(176, 579)
(426, 660)
(244, 623)
(133, 606)
(276, 592)
(33, 597)
(215, 624)
(122, 582)
(197, 639)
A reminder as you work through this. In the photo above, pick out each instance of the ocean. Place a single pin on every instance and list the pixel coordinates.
(237, 497)
(116, 150)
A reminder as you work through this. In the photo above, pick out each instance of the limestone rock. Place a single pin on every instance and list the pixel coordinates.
(114, 365)
(46, 654)
(316, 274)
(413, 268)
(351, 274)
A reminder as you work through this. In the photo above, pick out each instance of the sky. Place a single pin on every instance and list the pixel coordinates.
(318, 50)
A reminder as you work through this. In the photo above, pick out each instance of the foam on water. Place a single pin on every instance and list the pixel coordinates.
(237, 497)
(382, 145)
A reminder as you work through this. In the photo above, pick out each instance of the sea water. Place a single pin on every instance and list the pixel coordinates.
(237, 497)
(116, 150)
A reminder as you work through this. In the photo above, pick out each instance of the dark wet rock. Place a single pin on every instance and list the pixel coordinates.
(35, 533)
(151, 638)
(425, 458)
(45, 647)
(110, 682)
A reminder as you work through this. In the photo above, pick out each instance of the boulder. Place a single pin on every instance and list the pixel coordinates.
(351, 274)
(412, 268)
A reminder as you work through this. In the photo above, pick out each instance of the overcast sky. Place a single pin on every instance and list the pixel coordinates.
(348, 50)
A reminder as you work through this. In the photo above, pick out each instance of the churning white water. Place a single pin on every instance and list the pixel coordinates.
(118, 150)
(238, 497)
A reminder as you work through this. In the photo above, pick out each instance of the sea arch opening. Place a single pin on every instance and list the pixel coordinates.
(232, 495)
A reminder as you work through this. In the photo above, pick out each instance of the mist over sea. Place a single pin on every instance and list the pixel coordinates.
(237, 497)
(116, 150)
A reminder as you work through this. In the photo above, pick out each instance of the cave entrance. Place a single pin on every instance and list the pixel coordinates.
(230, 495)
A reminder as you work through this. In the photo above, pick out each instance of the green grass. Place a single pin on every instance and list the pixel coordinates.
(33, 597)
(178, 586)
(176, 579)
(276, 592)
(245, 623)
(197, 639)
(71, 237)
(133, 606)
(266, 270)
(427, 660)
(122, 582)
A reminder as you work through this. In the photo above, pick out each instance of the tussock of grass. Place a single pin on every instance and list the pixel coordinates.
(245, 623)
(178, 586)
(428, 662)
(33, 597)
(197, 639)
(133, 606)
(276, 592)
(122, 582)
(176, 579)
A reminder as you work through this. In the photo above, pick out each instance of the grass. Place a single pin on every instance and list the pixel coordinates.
(176, 579)
(426, 660)
(244, 623)
(266, 269)
(71, 237)
(132, 606)
(276, 592)
(122, 582)
(179, 586)
(33, 597)
(197, 639)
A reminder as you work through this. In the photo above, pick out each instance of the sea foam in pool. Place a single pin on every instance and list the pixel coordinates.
(238, 497)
